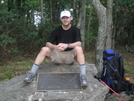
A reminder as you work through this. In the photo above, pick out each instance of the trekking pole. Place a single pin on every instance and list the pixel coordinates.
(110, 89)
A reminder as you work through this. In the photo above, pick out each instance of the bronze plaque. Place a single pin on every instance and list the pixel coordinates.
(58, 81)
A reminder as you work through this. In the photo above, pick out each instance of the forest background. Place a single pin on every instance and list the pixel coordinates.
(25, 26)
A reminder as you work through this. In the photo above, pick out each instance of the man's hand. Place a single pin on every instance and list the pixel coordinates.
(61, 46)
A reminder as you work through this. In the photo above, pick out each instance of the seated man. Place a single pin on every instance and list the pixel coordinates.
(63, 46)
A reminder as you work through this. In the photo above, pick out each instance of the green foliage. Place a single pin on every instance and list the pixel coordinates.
(91, 28)
(5, 28)
(104, 2)
(12, 32)
(123, 21)
(19, 35)
(31, 3)
(5, 40)
(90, 38)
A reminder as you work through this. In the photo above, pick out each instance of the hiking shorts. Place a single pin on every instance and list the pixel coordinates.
(65, 57)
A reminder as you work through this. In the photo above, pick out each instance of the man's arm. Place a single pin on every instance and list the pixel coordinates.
(62, 46)
(73, 45)
(50, 45)
(59, 47)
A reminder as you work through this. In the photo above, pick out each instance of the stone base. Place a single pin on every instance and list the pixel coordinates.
(16, 90)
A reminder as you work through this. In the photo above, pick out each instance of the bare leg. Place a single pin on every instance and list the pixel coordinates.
(45, 52)
(79, 55)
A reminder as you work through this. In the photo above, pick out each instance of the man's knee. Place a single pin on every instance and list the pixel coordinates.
(45, 50)
(78, 49)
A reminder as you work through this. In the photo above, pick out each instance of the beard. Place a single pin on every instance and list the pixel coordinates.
(66, 24)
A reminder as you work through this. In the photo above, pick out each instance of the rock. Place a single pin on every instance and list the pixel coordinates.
(123, 97)
(16, 90)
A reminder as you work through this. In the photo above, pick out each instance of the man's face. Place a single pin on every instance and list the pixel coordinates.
(66, 20)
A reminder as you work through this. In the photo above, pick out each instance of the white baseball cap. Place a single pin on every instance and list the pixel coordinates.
(65, 13)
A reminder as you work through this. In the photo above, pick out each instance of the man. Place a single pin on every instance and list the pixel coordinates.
(63, 46)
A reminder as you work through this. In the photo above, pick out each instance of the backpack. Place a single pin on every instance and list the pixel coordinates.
(113, 72)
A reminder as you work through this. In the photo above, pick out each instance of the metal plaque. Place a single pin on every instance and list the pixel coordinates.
(58, 81)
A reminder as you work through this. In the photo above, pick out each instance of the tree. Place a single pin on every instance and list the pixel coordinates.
(18, 28)
(123, 12)
(74, 11)
(42, 16)
(109, 24)
(101, 38)
(81, 23)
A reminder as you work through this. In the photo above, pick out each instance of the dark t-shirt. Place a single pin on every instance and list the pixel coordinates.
(59, 35)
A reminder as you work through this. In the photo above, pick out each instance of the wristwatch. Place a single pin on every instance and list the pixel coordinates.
(68, 45)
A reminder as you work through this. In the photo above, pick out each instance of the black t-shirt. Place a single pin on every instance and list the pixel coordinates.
(59, 35)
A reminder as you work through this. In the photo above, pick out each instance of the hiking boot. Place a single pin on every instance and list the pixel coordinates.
(30, 77)
(84, 82)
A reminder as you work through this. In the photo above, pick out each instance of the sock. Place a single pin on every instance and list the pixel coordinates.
(83, 69)
(34, 68)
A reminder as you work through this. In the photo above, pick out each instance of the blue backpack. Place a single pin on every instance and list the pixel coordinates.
(113, 72)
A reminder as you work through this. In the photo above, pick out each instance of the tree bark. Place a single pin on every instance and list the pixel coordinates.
(100, 42)
(74, 12)
(51, 11)
(90, 17)
(109, 24)
(81, 23)
(10, 4)
(42, 17)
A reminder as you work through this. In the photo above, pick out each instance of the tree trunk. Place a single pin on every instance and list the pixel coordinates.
(10, 4)
(109, 24)
(81, 23)
(115, 23)
(51, 11)
(42, 11)
(90, 17)
(74, 13)
(100, 42)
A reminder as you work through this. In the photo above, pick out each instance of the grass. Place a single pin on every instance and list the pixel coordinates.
(20, 64)
(129, 63)
(90, 57)
(14, 68)
(128, 59)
